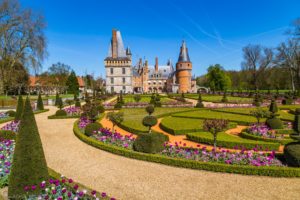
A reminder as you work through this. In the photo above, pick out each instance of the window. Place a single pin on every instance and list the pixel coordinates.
(111, 70)
(123, 70)
(112, 80)
(123, 80)
(112, 89)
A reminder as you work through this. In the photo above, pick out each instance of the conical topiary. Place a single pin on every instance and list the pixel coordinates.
(29, 165)
(56, 99)
(20, 107)
(40, 105)
(199, 103)
(273, 107)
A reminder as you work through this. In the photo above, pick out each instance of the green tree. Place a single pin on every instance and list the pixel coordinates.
(29, 165)
(40, 105)
(115, 118)
(72, 84)
(215, 126)
(149, 121)
(259, 113)
(20, 107)
(137, 98)
(217, 78)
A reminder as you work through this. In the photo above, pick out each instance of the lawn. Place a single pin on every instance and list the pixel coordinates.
(218, 98)
(230, 141)
(210, 114)
(133, 117)
(146, 99)
(33, 97)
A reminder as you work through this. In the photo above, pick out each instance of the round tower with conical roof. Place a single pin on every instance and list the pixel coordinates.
(184, 70)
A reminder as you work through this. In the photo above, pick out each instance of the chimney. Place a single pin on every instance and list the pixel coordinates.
(156, 64)
(114, 44)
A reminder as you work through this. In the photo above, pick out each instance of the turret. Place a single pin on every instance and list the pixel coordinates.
(183, 70)
(128, 53)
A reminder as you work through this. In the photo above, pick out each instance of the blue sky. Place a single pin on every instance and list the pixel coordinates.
(78, 32)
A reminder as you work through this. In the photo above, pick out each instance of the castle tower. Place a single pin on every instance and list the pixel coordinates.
(184, 70)
(118, 66)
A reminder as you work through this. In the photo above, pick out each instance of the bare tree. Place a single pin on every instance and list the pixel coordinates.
(22, 38)
(256, 60)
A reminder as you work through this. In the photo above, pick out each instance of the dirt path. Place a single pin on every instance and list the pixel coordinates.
(126, 178)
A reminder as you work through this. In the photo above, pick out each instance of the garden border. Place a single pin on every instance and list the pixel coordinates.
(191, 164)
(258, 138)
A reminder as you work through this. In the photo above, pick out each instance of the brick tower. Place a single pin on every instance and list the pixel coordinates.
(184, 70)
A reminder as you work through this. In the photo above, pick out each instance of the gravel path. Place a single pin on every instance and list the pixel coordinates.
(125, 178)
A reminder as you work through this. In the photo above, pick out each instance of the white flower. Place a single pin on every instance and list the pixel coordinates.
(84, 191)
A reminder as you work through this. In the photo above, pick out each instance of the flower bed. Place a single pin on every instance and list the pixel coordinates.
(12, 126)
(3, 115)
(6, 153)
(73, 111)
(63, 189)
(185, 163)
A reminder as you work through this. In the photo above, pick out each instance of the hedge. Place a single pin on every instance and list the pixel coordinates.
(192, 164)
(258, 138)
(196, 137)
(8, 135)
(12, 118)
(63, 117)
(284, 131)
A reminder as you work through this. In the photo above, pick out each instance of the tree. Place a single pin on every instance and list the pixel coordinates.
(273, 108)
(137, 98)
(58, 74)
(56, 99)
(22, 39)
(149, 121)
(199, 103)
(29, 165)
(40, 105)
(214, 126)
(256, 60)
(217, 79)
(115, 118)
(72, 84)
(150, 109)
(60, 103)
(20, 107)
(259, 113)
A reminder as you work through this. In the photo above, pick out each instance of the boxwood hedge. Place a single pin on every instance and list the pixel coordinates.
(230, 143)
(258, 138)
(216, 167)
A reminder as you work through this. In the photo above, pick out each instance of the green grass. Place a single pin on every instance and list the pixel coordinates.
(34, 97)
(229, 141)
(218, 98)
(133, 117)
(146, 99)
(176, 125)
(210, 114)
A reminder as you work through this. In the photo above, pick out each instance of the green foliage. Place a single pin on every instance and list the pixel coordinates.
(296, 124)
(258, 138)
(150, 109)
(60, 103)
(118, 105)
(115, 117)
(8, 135)
(11, 113)
(191, 164)
(199, 103)
(40, 104)
(19, 110)
(61, 113)
(69, 102)
(29, 164)
(155, 100)
(297, 111)
(90, 128)
(72, 84)
(217, 79)
(292, 154)
(257, 100)
(273, 107)
(100, 109)
(215, 126)
(150, 143)
(56, 99)
(149, 121)
(77, 103)
(259, 113)
(274, 123)
(224, 99)
(137, 98)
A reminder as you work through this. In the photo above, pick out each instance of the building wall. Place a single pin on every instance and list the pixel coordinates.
(184, 76)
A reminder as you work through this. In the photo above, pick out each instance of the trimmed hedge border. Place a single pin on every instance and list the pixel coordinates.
(8, 135)
(12, 118)
(191, 164)
(257, 138)
(236, 121)
(284, 131)
(63, 117)
(229, 144)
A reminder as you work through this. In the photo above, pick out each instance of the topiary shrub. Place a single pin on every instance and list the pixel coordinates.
(118, 105)
(297, 111)
(61, 113)
(29, 165)
(19, 110)
(292, 154)
(90, 128)
(100, 109)
(274, 123)
(56, 99)
(11, 113)
(224, 99)
(199, 103)
(273, 107)
(40, 105)
(149, 121)
(150, 143)
(150, 109)
(77, 103)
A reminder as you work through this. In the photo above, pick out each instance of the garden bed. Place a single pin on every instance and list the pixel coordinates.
(231, 141)
(178, 162)
(258, 138)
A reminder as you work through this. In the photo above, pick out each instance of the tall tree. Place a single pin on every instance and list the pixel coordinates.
(22, 39)
(217, 79)
(72, 84)
(256, 60)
